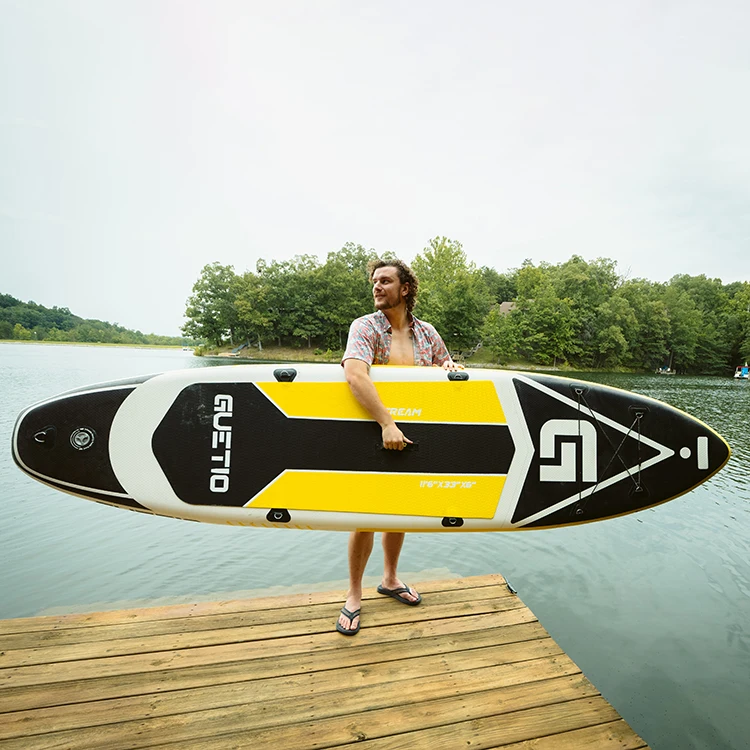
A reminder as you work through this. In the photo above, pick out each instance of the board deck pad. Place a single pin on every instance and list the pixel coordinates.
(313, 445)
(259, 445)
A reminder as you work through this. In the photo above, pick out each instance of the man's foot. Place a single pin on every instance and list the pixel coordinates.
(352, 622)
(401, 592)
(348, 622)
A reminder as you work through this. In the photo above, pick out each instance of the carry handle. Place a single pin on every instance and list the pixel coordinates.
(408, 448)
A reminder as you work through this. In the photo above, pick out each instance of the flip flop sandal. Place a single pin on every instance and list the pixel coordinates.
(351, 616)
(396, 594)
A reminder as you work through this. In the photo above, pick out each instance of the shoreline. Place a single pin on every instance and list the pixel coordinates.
(92, 343)
(283, 356)
(275, 355)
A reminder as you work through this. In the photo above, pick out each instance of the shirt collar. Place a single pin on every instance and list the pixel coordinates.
(385, 324)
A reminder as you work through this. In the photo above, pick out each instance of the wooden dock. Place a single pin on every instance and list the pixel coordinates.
(471, 667)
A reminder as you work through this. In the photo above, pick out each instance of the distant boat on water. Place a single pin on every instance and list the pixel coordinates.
(742, 372)
(666, 369)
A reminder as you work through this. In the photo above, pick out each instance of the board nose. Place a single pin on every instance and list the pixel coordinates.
(65, 440)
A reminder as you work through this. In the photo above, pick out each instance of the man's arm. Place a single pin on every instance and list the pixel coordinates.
(358, 376)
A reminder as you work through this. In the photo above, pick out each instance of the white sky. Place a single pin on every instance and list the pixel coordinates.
(142, 139)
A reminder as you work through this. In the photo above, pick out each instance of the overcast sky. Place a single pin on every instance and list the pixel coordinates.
(143, 139)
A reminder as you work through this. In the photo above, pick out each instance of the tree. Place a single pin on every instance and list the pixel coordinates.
(545, 325)
(530, 278)
(616, 326)
(55, 334)
(501, 287)
(716, 337)
(685, 323)
(20, 333)
(499, 335)
(453, 295)
(347, 291)
(7, 301)
(308, 298)
(254, 317)
(295, 296)
(587, 286)
(648, 341)
(737, 322)
(210, 312)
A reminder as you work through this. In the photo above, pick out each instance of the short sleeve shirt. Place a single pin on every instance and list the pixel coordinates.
(370, 340)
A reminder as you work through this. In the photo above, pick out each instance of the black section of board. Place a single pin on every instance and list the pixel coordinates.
(67, 440)
(120, 501)
(617, 452)
(190, 445)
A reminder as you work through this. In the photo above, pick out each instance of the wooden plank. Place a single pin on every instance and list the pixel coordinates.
(274, 615)
(328, 732)
(484, 733)
(533, 729)
(616, 735)
(285, 700)
(276, 647)
(391, 615)
(504, 644)
(175, 611)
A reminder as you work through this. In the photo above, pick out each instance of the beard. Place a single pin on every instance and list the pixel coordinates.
(389, 300)
(383, 303)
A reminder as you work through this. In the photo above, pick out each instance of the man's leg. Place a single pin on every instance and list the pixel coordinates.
(392, 543)
(360, 547)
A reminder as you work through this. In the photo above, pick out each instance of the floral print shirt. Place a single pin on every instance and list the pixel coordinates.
(370, 340)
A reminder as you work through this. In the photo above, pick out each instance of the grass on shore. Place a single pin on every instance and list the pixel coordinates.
(272, 354)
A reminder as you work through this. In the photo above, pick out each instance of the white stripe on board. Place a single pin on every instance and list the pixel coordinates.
(703, 452)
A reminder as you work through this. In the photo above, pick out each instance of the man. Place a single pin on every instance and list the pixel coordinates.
(389, 336)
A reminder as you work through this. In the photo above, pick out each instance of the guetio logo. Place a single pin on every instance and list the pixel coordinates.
(221, 443)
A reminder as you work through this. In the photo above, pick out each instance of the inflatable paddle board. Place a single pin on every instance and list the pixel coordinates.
(263, 445)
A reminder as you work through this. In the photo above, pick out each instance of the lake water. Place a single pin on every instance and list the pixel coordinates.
(654, 607)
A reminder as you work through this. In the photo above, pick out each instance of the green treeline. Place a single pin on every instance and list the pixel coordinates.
(28, 321)
(577, 312)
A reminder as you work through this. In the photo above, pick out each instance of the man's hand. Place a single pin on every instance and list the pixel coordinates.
(451, 365)
(358, 376)
(394, 439)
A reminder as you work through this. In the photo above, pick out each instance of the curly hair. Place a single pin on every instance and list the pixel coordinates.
(405, 275)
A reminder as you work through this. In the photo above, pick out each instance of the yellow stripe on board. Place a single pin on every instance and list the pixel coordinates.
(449, 401)
(433, 495)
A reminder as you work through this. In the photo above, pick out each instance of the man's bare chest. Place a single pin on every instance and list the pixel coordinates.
(402, 348)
